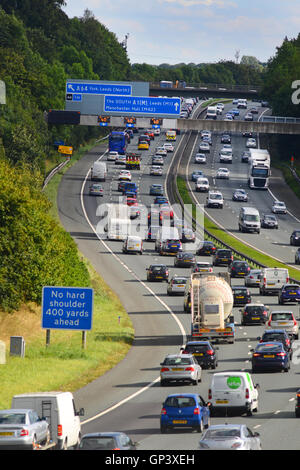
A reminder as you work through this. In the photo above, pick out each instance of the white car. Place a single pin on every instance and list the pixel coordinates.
(279, 207)
(251, 143)
(226, 155)
(111, 156)
(205, 133)
(200, 158)
(156, 170)
(161, 151)
(222, 173)
(169, 147)
(202, 185)
(204, 147)
(156, 131)
(124, 175)
(120, 160)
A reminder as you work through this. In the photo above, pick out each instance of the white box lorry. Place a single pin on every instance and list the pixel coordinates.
(59, 410)
(211, 112)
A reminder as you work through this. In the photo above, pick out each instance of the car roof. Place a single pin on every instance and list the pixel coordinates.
(103, 434)
(274, 331)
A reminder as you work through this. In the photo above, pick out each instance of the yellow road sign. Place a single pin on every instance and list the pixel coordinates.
(65, 149)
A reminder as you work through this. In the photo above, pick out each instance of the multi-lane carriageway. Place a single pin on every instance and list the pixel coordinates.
(129, 397)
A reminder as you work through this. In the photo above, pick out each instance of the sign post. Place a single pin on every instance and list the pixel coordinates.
(67, 308)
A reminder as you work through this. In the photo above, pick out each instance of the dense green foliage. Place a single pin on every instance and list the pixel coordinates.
(34, 250)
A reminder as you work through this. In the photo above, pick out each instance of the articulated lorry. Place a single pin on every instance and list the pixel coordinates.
(211, 307)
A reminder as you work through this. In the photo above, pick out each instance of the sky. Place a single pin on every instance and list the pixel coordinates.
(174, 31)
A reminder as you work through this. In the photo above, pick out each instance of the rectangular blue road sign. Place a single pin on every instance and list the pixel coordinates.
(67, 308)
(142, 105)
(98, 88)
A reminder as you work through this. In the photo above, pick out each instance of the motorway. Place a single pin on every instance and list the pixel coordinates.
(129, 397)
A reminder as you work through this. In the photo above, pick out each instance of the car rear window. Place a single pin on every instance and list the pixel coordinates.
(177, 361)
(282, 316)
(12, 418)
(224, 253)
(179, 281)
(239, 291)
(197, 348)
(265, 347)
(98, 443)
(223, 433)
(180, 402)
(272, 337)
(255, 309)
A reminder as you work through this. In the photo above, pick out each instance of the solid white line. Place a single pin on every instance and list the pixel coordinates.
(182, 330)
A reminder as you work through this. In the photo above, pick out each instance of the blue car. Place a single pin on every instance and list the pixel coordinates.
(289, 293)
(156, 190)
(196, 175)
(184, 410)
(161, 200)
(235, 111)
(270, 356)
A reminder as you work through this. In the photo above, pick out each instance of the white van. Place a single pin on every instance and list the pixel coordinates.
(272, 280)
(98, 171)
(118, 228)
(133, 244)
(59, 410)
(202, 184)
(249, 220)
(233, 391)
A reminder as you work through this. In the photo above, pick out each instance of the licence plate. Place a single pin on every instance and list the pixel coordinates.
(271, 284)
(239, 296)
(6, 433)
(158, 277)
(255, 318)
(179, 421)
(240, 273)
(222, 401)
(293, 293)
(198, 354)
(180, 285)
(177, 368)
(282, 323)
(269, 355)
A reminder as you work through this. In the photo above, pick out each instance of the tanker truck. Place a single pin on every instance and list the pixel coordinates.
(211, 307)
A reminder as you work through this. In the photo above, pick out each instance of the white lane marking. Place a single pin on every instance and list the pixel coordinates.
(182, 330)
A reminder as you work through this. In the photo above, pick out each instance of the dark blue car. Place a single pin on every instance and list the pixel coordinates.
(289, 293)
(197, 174)
(184, 410)
(270, 356)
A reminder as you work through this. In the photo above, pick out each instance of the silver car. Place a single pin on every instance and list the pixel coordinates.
(283, 319)
(22, 428)
(176, 285)
(230, 437)
(252, 279)
(177, 367)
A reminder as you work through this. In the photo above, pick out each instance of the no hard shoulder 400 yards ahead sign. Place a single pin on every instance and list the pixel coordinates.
(67, 308)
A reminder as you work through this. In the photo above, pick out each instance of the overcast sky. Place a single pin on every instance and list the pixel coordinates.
(174, 31)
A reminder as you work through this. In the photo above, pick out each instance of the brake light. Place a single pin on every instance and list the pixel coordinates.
(196, 411)
(265, 312)
(163, 411)
(256, 354)
(191, 369)
(210, 352)
(282, 354)
(59, 430)
(247, 395)
(185, 352)
(165, 369)
(269, 322)
(295, 323)
(24, 432)
(209, 394)
(265, 280)
(117, 448)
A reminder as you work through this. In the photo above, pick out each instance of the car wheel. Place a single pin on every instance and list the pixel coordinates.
(34, 443)
(163, 429)
(249, 411)
(47, 438)
(199, 428)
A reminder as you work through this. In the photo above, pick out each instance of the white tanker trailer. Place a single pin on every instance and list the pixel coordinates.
(211, 307)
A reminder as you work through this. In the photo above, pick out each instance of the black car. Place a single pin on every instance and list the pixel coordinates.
(241, 295)
(206, 248)
(253, 314)
(295, 238)
(222, 257)
(297, 256)
(184, 260)
(270, 356)
(245, 156)
(239, 269)
(269, 221)
(157, 272)
(205, 354)
(278, 335)
(226, 139)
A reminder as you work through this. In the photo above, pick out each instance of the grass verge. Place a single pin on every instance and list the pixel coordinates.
(64, 364)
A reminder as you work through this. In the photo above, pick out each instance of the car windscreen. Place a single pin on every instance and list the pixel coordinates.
(252, 218)
(180, 402)
(282, 316)
(12, 418)
(98, 443)
(177, 361)
(222, 433)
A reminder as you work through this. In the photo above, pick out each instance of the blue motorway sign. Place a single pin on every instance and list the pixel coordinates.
(142, 105)
(67, 308)
(98, 88)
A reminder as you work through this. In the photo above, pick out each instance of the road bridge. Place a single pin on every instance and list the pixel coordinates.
(206, 90)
